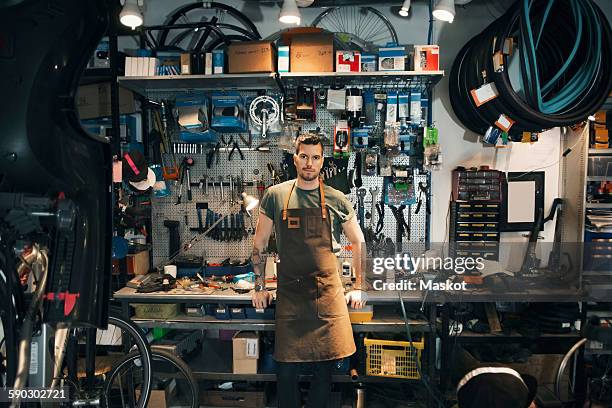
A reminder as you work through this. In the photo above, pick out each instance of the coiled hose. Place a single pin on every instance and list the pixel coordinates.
(564, 50)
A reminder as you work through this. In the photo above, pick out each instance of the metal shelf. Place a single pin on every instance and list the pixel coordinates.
(229, 296)
(600, 152)
(379, 324)
(185, 83)
(599, 205)
(468, 336)
(382, 79)
(599, 178)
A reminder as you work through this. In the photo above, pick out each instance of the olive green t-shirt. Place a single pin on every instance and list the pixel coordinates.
(340, 208)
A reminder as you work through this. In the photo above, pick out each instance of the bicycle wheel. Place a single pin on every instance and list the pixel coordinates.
(9, 319)
(224, 16)
(8, 340)
(170, 373)
(108, 347)
(354, 26)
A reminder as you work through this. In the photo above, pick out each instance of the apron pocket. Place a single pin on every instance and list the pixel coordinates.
(286, 308)
(313, 226)
(295, 299)
(330, 301)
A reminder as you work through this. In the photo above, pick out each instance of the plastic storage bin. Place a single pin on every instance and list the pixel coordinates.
(397, 359)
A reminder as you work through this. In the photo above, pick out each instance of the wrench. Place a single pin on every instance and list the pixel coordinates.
(231, 188)
(374, 193)
(361, 193)
(220, 178)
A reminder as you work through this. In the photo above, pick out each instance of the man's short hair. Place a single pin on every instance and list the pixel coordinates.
(308, 139)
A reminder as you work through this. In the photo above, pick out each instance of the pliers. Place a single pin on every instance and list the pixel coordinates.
(247, 142)
(211, 155)
(235, 146)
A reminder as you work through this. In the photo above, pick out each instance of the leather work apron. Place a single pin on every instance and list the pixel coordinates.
(312, 321)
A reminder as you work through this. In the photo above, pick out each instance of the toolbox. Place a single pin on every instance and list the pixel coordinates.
(477, 185)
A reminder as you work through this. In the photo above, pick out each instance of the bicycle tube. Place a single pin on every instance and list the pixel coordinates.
(163, 35)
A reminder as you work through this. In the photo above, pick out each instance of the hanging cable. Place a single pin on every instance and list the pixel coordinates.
(564, 52)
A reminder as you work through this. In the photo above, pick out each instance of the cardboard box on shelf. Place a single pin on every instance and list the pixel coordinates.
(218, 61)
(138, 264)
(283, 58)
(348, 61)
(245, 346)
(185, 64)
(426, 58)
(93, 101)
(312, 53)
(251, 56)
(392, 58)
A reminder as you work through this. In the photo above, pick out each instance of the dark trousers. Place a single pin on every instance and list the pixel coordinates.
(288, 388)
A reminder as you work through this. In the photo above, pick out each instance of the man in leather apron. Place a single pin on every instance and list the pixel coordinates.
(312, 321)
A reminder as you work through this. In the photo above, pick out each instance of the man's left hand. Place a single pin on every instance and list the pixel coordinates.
(356, 298)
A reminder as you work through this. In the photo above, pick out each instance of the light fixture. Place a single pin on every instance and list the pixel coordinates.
(290, 14)
(404, 11)
(131, 15)
(249, 202)
(444, 10)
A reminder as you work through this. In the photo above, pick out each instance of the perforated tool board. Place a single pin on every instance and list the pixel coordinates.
(213, 251)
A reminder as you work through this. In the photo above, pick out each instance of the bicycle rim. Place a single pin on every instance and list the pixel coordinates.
(169, 373)
(140, 397)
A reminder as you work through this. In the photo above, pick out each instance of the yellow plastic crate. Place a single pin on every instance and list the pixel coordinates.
(388, 358)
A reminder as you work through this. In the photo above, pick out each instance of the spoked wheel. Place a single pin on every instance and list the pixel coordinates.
(8, 339)
(227, 19)
(170, 374)
(354, 26)
(110, 347)
(9, 319)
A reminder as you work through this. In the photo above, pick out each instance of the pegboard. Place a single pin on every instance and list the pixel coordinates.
(164, 208)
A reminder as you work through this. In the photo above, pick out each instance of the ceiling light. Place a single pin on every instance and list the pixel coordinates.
(289, 13)
(405, 9)
(131, 15)
(444, 10)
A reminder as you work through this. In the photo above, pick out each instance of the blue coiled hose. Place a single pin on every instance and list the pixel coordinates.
(565, 51)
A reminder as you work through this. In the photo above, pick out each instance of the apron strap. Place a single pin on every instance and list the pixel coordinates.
(323, 208)
(287, 201)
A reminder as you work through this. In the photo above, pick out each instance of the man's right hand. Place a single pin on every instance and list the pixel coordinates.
(261, 299)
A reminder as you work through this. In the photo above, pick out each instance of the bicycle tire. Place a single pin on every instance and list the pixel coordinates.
(381, 16)
(238, 15)
(8, 340)
(7, 319)
(143, 350)
(157, 355)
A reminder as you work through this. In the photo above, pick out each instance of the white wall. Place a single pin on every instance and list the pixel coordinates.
(460, 147)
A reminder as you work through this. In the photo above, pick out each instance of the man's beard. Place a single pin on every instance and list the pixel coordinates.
(308, 176)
